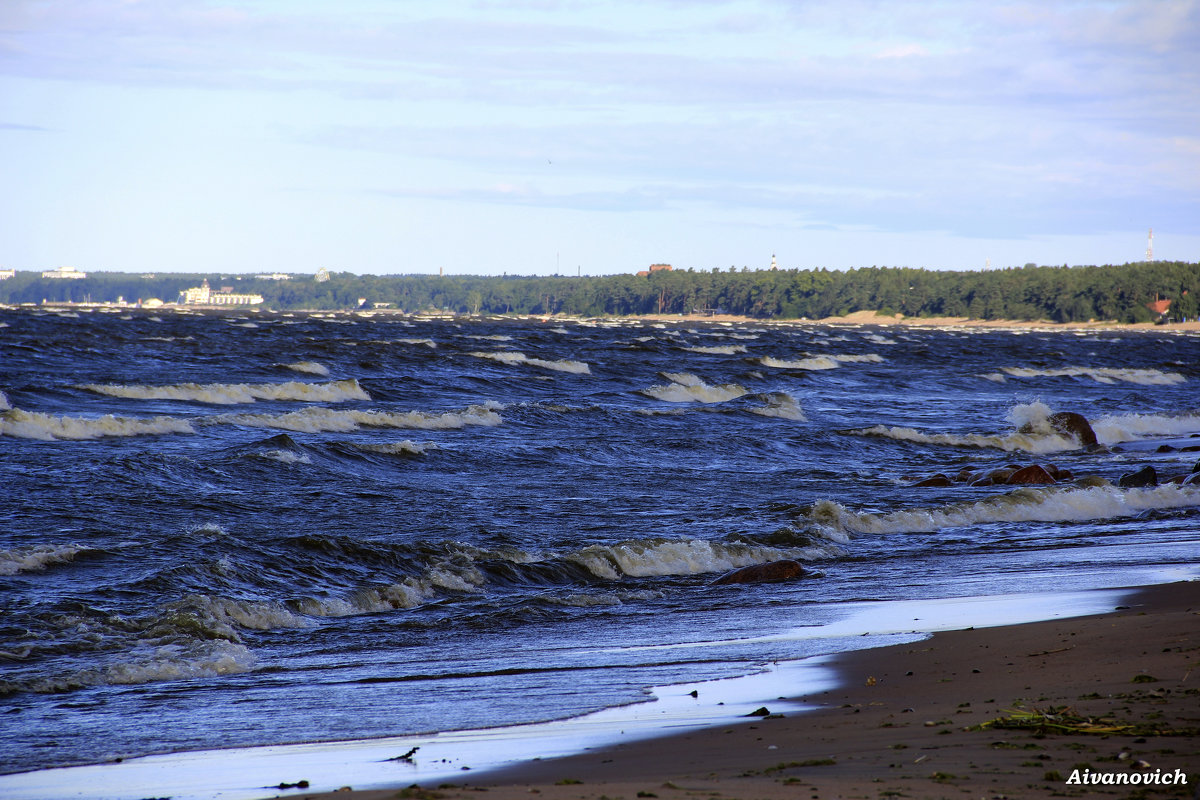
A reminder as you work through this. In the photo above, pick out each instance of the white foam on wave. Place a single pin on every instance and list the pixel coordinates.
(687, 388)
(718, 350)
(1033, 433)
(821, 362)
(315, 420)
(422, 342)
(514, 357)
(1010, 442)
(177, 662)
(1041, 504)
(410, 592)
(36, 425)
(812, 363)
(404, 448)
(1144, 377)
(35, 558)
(4, 404)
(238, 393)
(309, 368)
(285, 456)
(781, 405)
(1130, 427)
(654, 558)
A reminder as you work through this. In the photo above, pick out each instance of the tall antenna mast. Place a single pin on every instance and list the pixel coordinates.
(1150, 246)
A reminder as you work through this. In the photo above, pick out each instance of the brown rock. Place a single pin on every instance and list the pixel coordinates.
(1076, 426)
(936, 480)
(1033, 474)
(771, 572)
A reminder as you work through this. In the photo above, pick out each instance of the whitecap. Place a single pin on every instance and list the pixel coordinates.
(237, 393)
(314, 420)
(35, 558)
(309, 368)
(687, 388)
(1042, 504)
(35, 425)
(515, 357)
(1143, 377)
(654, 558)
(781, 405)
(718, 350)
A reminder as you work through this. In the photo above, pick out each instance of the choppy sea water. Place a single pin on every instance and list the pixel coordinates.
(228, 530)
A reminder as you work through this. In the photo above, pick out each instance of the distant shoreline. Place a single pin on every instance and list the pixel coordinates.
(856, 318)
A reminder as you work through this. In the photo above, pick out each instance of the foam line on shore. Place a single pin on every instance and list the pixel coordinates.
(253, 773)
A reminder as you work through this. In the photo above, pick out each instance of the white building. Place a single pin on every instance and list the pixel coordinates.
(202, 295)
(64, 272)
(5, 274)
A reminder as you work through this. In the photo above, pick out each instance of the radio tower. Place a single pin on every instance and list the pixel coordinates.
(1150, 246)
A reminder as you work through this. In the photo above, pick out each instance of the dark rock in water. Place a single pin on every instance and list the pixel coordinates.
(1059, 474)
(936, 480)
(1197, 467)
(1193, 479)
(1068, 423)
(1165, 448)
(760, 712)
(1031, 475)
(771, 572)
(1146, 476)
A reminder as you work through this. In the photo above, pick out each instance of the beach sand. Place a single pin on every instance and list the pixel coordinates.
(875, 318)
(919, 721)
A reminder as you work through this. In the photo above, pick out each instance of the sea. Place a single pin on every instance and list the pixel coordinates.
(236, 529)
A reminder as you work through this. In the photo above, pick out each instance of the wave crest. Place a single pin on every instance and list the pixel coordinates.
(1042, 504)
(514, 357)
(36, 425)
(238, 393)
(687, 388)
(315, 420)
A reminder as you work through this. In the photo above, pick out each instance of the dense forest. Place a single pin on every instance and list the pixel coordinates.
(1061, 294)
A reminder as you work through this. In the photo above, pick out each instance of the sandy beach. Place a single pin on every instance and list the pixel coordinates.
(875, 318)
(1035, 710)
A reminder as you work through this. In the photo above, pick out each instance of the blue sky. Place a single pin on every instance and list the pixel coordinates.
(543, 136)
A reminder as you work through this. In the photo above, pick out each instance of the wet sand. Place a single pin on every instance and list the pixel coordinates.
(920, 721)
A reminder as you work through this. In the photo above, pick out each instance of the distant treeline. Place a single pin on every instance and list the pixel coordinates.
(1060, 294)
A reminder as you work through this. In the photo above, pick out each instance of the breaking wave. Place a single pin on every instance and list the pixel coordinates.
(687, 388)
(1145, 377)
(821, 362)
(36, 558)
(309, 368)
(514, 357)
(1127, 428)
(405, 448)
(237, 393)
(662, 557)
(782, 405)
(718, 350)
(36, 425)
(314, 420)
(1033, 434)
(1042, 504)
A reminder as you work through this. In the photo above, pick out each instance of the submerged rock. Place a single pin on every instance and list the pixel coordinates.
(771, 572)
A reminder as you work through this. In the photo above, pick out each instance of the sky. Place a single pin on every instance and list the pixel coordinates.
(541, 137)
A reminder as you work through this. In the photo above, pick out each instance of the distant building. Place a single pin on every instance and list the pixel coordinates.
(275, 276)
(655, 268)
(64, 273)
(5, 274)
(202, 295)
(322, 275)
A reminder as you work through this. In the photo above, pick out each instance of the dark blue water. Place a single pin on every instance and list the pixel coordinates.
(224, 530)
